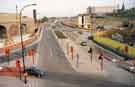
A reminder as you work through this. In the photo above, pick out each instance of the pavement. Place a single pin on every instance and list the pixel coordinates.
(128, 65)
(85, 65)
(110, 69)
(6, 81)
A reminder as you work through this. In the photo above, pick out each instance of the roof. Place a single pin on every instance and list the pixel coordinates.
(83, 14)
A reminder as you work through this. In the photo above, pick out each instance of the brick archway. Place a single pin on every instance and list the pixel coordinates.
(13, 30)
(3, 32)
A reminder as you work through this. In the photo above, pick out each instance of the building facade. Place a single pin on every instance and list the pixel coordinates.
(103, 9)
(84, 20)
(9, 25)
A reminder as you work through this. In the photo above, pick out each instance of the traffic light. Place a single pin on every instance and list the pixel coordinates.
(35, 15)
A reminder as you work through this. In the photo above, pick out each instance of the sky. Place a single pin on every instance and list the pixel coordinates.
(57, 8)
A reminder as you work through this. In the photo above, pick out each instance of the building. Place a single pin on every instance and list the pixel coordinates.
(84, 20)
(88, 19)
(89, 10)
(102, 10)
(9, 25)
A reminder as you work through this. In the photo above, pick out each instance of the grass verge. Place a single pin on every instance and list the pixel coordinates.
(115, 45)
(60, 35)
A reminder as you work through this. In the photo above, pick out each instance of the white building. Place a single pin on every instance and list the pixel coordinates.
(84, 20)
(103, 9)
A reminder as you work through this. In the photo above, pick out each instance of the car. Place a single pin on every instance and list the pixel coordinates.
(35, 71)
(90, 37)
(83, 43)
(126, 66)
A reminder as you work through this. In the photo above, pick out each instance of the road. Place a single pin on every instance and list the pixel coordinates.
(61, 74)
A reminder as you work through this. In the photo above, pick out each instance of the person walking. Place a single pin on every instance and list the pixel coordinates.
(72, 52)
(91, 53)
(77, 60)
(100, 58)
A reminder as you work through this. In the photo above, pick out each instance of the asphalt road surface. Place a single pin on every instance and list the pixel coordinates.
(60, 72)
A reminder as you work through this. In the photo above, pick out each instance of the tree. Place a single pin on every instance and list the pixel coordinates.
(44, 19)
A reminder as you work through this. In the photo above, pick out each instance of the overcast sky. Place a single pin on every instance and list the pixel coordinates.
(57, 7)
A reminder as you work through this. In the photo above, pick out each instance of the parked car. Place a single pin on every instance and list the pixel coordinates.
(83, 43)
(35, 71)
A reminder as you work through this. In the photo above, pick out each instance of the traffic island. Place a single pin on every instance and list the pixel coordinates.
(78, 59)
(60, 35)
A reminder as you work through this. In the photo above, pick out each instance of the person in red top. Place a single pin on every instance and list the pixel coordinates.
(7, 53)
(72, 52)
(126, 49)
(18, 67)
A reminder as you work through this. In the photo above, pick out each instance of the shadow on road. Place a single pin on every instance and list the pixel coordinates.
(84, 80)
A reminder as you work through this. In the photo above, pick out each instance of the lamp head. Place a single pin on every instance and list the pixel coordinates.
(34, 4)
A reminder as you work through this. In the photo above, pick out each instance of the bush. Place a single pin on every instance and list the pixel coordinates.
(44, 19)
(115, 45)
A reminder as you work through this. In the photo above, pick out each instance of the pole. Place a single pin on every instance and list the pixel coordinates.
(22, 44)
(16, 14)
(91, 57)
(8, 56)
(77, 60)
(67, 48)
(33, 57)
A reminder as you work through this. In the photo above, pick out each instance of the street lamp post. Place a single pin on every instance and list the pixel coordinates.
(21, 34)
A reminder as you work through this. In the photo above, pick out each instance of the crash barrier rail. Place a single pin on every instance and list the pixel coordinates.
(18, 45)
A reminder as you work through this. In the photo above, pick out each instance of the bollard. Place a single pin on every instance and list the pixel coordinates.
(72, 52)
(67, 48)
